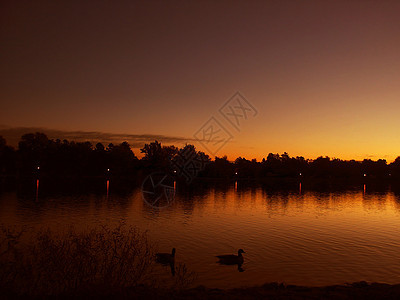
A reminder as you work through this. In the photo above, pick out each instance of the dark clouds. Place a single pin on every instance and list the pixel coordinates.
(13, 135)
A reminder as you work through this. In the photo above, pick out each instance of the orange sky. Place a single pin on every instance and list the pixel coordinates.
(323, 75)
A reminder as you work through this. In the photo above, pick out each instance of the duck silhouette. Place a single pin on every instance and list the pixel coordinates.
(166, 258)
(231, 259)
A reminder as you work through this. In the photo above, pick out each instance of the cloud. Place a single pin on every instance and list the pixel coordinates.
(13, 135)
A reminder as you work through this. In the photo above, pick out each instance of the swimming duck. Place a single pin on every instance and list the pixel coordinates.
(166, 258)
(231, 259)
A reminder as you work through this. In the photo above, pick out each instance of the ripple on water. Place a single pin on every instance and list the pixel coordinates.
(310, 239)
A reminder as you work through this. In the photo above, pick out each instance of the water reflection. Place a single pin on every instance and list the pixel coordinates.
(108, 188)
(37, 190)
(300, 233)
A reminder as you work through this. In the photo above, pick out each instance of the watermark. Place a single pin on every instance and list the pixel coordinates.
(158, 190)
(188, 163)
(213, 136)
(237, 109)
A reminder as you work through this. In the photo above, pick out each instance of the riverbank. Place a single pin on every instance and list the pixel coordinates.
(357, 290)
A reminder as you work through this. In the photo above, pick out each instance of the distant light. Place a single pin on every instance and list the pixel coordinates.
(235, 173)
(174, 171)
(108, 170)
(300, 174)
(390, 174)
(365, 175)
(38, 168)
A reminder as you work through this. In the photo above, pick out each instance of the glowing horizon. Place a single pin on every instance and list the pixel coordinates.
(137, 141)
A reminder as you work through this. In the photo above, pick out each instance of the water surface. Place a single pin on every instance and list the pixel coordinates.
(294, 235)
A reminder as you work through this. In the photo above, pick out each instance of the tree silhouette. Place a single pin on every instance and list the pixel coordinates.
(70, 158)
(157, 156)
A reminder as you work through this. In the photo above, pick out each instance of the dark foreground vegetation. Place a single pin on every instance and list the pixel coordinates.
(117, 262)
(37, 155)
(100, 261)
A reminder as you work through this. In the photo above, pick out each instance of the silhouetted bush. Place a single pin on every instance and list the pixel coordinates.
(102, 259)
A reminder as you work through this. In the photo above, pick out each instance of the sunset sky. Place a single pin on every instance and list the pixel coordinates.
(324, 76)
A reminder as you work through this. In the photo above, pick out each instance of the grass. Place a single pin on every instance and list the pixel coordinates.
(103, 259)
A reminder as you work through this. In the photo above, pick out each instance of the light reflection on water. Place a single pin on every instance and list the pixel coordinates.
(295, 236)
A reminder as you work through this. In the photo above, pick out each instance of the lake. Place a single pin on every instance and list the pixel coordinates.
(295, 233)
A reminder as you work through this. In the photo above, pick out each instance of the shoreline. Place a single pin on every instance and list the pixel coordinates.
(274, 290)
(356, 290)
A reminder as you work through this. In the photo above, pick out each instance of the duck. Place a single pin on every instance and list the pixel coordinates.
(231, 259)
(166, 258)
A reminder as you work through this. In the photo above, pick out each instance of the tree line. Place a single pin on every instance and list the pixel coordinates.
(37, 154)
